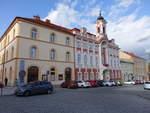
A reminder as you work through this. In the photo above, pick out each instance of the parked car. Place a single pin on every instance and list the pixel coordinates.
(33, 88)
(99, 83)
(92, 83)
(113, 83)
(146, 85)
(118, 83)
(129, 82)
(69, 84)
(108, 83)
(83, 84)
(139, 82)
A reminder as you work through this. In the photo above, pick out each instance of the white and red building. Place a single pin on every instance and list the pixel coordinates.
(86, 55)
(96, 57)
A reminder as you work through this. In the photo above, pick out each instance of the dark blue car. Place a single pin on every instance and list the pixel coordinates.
(34, 88)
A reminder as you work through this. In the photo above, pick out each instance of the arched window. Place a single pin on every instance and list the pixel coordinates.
(52, 54)
(52, 74)
(34, 33)
(79, 58)
(52, 37)
(12, 52)
(67, 40)
(33, 52)
(85, 59)
(67, 56)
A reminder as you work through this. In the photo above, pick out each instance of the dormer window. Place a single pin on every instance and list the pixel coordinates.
(34, 33)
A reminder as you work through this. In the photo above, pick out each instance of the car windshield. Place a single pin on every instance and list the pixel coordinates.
(147, 82)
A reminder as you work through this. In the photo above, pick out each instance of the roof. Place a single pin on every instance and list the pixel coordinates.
(133, 55)
(40, 22)
(78, 30)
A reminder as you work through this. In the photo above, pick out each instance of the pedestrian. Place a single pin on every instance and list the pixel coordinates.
(6, 81)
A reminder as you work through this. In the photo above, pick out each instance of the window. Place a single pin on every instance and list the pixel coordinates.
(52, 54)
(67, 56)
(91, 60)
(6, 55)
(34, 33)
(92, 76)
(85, 59)
(8, 39)
(97, 75)
(52, 74)
(12, 52)
(79, 76)
(52, 38)
(86, 76)
(79, 58)
(91, 47)
(96, 47)
(14, 33)
(78, 44)
(67, 40)
(96, 60)
(33, 52)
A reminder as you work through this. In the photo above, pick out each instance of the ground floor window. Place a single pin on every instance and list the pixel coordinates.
(97, 75)
(92, 76)
(52, 74)
(79, 76)
(86, 77)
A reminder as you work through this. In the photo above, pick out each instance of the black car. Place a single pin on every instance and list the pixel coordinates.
(33, 88)
(99, 83)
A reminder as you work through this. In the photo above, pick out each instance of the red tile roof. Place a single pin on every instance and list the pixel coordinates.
(40, 22)
(133, 55)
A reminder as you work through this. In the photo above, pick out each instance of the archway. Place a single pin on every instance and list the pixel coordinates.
(67, 74)
(106, 75)
(33, 73)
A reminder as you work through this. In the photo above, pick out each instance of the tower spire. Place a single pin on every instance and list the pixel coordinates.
(100, 13)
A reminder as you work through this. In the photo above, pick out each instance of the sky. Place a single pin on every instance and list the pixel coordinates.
(128, 20)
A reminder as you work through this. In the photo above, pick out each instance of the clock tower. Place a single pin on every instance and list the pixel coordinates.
(101, 27)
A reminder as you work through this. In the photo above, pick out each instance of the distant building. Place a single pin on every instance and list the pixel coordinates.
(139, 67)
(127, 69)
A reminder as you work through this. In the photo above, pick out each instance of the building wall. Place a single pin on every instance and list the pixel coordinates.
(127, 69)
(8, 54)
(86, 47)
(22, 43)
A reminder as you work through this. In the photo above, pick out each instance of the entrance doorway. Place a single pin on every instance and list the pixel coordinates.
(67, 74)
(33, 73)
(105, 75)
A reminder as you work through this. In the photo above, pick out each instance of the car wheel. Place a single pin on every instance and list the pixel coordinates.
(49, 91)
(27, 93)
(82, 86)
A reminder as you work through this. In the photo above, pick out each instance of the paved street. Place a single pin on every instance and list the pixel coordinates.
(126, 99)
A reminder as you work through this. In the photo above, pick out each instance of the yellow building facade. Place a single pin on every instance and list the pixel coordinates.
(140, 71)
(43, 50)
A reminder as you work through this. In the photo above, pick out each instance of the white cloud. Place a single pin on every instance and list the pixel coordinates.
(131, 33)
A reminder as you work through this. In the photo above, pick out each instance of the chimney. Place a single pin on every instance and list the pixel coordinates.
(36, 17)
(47, 21)
(83, 30)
